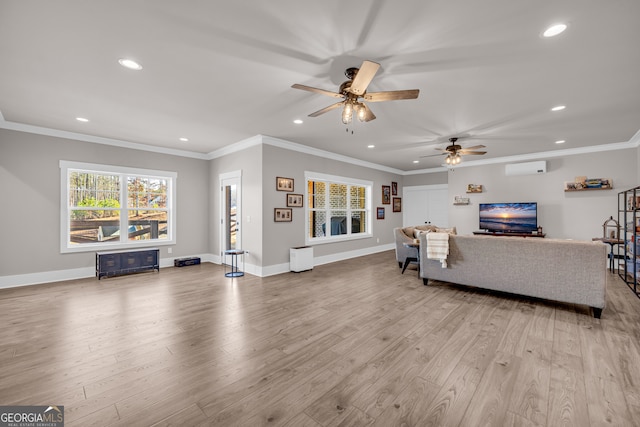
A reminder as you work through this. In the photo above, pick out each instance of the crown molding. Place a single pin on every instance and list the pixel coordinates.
(269, 140)
(634, 142)
(235, 147)
(38, 130)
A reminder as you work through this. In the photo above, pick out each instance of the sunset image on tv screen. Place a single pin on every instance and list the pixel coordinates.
(513, 217)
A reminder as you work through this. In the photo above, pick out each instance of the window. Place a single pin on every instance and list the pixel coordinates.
(108, 207)
(337, 208)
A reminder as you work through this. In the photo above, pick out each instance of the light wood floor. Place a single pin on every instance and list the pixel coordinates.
(350, 343)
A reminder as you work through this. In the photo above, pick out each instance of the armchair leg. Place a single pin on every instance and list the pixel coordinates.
(425, 281)
(399, 264)
(597, 312)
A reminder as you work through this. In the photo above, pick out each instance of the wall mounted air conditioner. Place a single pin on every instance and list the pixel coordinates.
(529, 168)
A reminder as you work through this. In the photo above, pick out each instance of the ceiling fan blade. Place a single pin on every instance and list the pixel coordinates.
(368, 114)
(475, 147)
(316, 90)
(434, 155)
(364, 76)
(392, 95)
(325, 109)
(465, 152)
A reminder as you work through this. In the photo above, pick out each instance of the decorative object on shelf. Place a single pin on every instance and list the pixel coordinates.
(633, 203)
(397, 204)
(394, 188)
(284, 184)
(457, 200)
(379, 213)
(611, 229)
(294, 200)
(474, 188)
(386, 195)
(582, 183)
(282, 214)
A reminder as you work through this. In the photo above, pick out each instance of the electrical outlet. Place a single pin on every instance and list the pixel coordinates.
(377, 240)
(169, 250)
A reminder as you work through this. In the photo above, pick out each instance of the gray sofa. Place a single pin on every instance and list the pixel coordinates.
(559, 270)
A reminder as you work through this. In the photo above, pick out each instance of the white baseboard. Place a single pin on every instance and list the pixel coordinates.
(45, 277)
(269, 270)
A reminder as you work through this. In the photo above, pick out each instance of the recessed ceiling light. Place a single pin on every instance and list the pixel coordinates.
(298, 121)
(416, 161)
(184, 139)
(560, 141)
(559, 108)
(82, 119)
(554, 30)
(130, 63)
(371, 146)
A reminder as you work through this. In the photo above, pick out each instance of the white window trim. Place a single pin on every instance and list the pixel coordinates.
(334, 179)
(65, 166)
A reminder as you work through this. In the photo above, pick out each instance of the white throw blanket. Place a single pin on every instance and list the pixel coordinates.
(438, 247)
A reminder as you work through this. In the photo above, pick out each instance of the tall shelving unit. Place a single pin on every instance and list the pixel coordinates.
(629, 216)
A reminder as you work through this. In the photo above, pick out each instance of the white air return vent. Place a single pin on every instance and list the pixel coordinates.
(529, 168)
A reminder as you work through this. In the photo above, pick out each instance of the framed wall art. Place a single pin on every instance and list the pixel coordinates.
(294, 200)
(474, 188)
(394, 188)
(397, 204)
(386, 195)
(379, 213)
(284, 184)
(282, 215)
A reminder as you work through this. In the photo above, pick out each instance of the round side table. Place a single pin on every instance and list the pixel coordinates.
(235, 271)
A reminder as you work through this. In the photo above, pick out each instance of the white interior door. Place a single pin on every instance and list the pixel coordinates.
(230, 211)
(425, 204)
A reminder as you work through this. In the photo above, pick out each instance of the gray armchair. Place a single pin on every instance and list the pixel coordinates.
(406, 235)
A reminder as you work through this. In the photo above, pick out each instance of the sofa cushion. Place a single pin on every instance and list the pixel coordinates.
(451, 230)
(410, 231)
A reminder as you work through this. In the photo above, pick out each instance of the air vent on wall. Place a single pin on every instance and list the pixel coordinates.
(529, 168)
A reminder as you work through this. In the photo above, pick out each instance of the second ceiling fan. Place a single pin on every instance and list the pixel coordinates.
(455, 151)
(355, 88)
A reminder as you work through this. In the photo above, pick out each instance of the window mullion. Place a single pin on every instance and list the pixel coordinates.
(348, 210)
(124, 208)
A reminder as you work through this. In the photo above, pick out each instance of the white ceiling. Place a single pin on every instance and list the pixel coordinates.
(220, 72)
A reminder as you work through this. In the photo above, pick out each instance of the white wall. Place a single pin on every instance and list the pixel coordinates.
(279, 237)
(29, 218)
(30, 214)
(574, 215)
(249, 162)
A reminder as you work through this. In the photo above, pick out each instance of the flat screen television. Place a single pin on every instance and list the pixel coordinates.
(509, 217)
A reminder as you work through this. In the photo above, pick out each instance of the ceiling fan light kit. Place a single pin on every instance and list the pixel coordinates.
(454, 152)
(355, 88)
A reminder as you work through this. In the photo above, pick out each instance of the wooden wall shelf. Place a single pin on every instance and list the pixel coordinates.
(586, 189)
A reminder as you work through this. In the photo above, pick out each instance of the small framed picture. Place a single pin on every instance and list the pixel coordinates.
(386, 195)
(284, 184)
(474, 188)
(282, 215)
(394, 188)
(397, 204)
(294, 200)
(379, 213)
